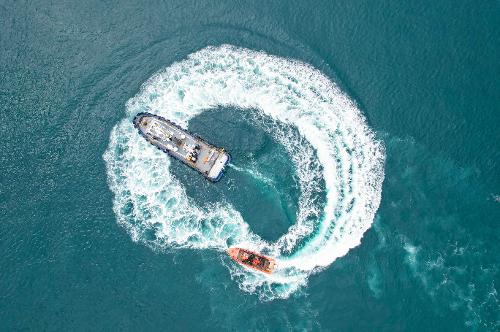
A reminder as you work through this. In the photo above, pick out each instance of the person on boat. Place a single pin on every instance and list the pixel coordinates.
(256, 261)
(249, 259)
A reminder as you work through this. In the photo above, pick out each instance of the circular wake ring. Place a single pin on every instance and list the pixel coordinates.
(344, 154)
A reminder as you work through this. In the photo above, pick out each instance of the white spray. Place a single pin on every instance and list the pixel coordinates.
(147, 196)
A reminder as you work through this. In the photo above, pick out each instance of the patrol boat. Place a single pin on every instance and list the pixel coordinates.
(252, 260)
(182, 145)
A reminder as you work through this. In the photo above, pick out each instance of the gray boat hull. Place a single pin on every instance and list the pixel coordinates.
(179, 143)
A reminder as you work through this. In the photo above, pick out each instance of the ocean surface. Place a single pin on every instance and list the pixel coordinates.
(365, 158)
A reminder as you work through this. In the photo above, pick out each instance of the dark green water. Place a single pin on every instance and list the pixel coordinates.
(425, 75)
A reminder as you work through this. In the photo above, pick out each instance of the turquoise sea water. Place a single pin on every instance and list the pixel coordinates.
(100, 232)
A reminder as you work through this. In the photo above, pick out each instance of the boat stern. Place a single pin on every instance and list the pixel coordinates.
(217, 169)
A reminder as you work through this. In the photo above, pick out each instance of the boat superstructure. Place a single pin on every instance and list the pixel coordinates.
(182, 145)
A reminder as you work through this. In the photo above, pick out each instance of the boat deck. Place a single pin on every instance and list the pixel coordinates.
(188, 148)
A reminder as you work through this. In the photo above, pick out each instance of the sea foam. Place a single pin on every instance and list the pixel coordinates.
(345, 155)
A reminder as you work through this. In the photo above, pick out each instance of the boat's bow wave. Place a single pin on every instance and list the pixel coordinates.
(348, 159)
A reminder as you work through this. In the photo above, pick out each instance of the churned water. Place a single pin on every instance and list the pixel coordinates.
(365, 153)
(331, 146)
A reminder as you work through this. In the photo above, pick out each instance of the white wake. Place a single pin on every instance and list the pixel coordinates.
(345, 155)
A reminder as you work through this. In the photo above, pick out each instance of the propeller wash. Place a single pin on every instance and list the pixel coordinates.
(345, 155)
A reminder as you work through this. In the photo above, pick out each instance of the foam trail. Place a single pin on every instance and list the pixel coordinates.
(254, 173)
(344, 154)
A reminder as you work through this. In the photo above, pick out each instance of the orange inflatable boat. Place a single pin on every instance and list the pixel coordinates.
(252, 260)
